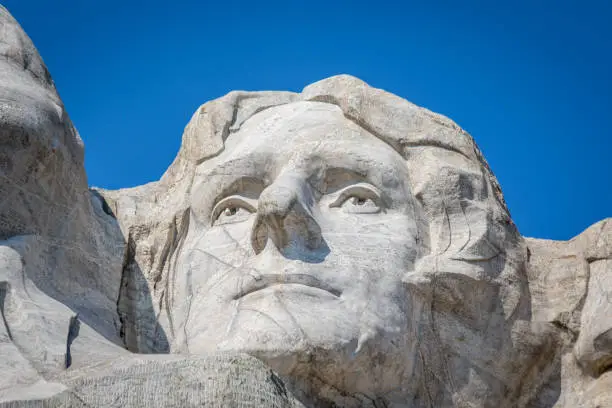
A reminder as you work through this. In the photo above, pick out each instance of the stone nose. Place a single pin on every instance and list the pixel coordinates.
(286, 216)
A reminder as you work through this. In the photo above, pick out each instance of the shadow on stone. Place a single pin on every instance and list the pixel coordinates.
(139, 327)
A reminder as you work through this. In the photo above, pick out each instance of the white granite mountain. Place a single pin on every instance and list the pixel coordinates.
(335, 247)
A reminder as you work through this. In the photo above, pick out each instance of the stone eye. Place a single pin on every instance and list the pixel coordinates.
(232, 209)
(360, 198)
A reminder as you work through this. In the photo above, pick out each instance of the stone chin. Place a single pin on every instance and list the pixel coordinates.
(365, 363)
(370, 363)
(309, 334)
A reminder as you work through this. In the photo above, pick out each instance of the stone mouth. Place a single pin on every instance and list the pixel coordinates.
(265, 281)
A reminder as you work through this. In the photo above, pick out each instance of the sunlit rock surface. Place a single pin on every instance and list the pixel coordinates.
(335, 246)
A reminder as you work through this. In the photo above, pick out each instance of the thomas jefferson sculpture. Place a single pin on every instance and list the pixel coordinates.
(336, 247)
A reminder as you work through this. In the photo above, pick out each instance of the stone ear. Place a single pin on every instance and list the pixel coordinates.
(470, 232)
(466, 222)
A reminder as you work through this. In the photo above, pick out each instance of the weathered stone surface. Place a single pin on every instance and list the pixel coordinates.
(571, 286)
(60, 254)
(356, 244)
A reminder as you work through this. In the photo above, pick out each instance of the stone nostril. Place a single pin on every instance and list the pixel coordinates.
(607, 366)
(276, 229)
(275, 203)
(603, 342)
(268, 227)
(603, 346)
(259, 235)
(284, 216)
(595, 355)
(297, 229)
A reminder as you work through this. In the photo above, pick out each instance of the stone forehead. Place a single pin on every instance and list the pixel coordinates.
(302, 134)
(294, 126)
(407, 128)
(390, 118)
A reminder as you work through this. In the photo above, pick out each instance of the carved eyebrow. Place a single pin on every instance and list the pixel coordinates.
(247, 165)
(249, 175)
(337, 178)
(246, 186)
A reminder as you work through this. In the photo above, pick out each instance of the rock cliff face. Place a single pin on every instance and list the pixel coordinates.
(571, 287)
(335, 247)
(60, 253)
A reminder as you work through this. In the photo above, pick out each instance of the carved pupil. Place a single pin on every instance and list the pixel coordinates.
(359, 201)
(230, 211)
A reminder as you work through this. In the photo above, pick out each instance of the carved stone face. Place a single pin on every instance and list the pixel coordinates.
(300, 233)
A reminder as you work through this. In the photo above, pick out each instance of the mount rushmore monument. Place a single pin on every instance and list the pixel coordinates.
(338, 247)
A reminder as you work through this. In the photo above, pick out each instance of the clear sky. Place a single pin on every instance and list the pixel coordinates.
(530, 80)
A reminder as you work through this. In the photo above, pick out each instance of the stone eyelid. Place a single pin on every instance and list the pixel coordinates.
(233, 201)
(358, 191)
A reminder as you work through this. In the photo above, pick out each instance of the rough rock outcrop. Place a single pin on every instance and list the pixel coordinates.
(571, 286)
(335, 246)
(60, 254)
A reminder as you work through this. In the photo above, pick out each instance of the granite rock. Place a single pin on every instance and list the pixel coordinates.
(340, 246)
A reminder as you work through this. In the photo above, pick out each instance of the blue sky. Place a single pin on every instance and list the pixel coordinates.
(530, 80)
